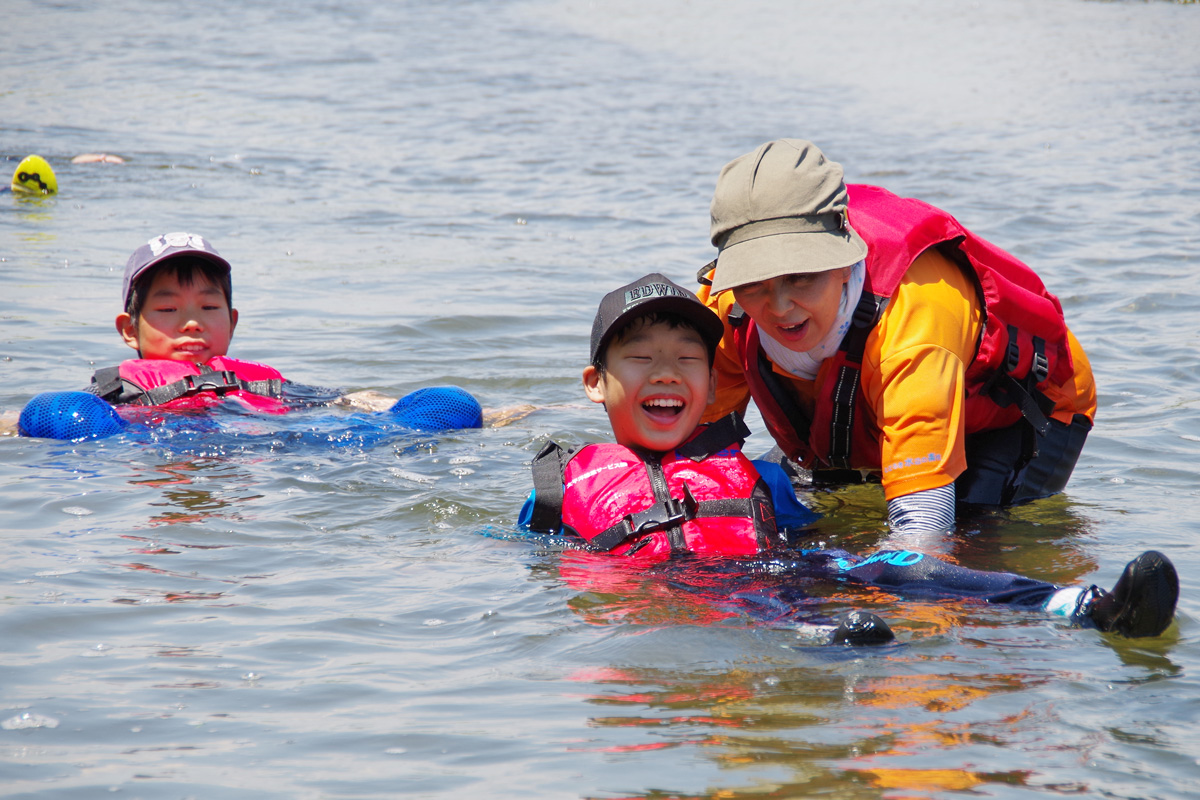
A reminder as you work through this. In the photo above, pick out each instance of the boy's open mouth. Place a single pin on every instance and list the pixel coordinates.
(663, 407)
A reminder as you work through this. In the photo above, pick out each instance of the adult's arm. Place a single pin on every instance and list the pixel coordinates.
(914, 376)
(931, 510)
(732, 392)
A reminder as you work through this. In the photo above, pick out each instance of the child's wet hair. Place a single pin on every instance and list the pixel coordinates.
(669, 318)
(185, 269)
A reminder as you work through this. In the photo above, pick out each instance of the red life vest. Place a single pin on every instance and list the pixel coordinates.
(704, 497)
(1023, 346)
(182, 384)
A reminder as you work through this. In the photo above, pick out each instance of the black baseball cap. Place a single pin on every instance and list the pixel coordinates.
(654, 292)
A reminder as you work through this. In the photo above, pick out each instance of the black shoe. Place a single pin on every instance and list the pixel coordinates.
(1143, 601)
(861, 627)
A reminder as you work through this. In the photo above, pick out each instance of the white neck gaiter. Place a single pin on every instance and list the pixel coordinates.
(805, 365)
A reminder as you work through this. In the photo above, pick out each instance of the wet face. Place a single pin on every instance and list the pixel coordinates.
(798, 310)
(181, 322)
(655, 386)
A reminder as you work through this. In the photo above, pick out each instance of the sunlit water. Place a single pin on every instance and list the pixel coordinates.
(417, 194)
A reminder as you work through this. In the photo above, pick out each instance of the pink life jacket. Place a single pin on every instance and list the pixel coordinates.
(181, 384)
(704, 497)
(1023, 346)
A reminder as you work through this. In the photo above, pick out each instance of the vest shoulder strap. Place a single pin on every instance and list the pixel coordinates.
(782, 394)
(1005, 390)
(547, 468)
(107, 383)
(844, 395)
(715, 437)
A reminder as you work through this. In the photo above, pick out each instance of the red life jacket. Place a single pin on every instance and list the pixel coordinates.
(704, 497)
(1023, 346)
(182, 384)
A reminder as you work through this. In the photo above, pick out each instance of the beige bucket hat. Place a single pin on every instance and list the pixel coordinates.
(781, 210)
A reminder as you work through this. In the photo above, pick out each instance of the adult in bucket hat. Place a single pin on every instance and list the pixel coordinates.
(880, 337)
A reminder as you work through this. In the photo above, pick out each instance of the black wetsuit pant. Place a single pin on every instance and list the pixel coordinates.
(916, 575)
(1005, 467)
(1015, 465)
(782, 589)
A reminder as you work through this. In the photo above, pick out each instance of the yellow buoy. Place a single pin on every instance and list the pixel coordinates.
(34, 176)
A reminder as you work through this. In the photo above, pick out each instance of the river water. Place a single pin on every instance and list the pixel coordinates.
(420, 194)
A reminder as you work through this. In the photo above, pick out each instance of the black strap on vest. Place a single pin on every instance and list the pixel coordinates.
(107, 383)
(845, 389)
(665, 515)
(1002, 387)
(548, 467)
(671, 514)
(715, 438)
(1005, 390)
(111, 386)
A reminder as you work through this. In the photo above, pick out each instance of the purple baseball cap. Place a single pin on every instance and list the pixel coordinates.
(159, 249)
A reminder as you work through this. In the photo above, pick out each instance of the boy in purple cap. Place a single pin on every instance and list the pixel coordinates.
(671, 486)
(179, 317)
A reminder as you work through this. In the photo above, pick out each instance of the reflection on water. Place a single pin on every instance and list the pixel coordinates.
(825, 729)
(953, 690)
(186, 501)
(818, 729)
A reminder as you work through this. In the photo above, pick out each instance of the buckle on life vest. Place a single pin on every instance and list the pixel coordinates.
(657, 517)
(1040, 368)
(1004, 389)
(663, 515)
(219, 382)
(737, 316)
